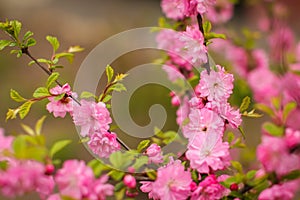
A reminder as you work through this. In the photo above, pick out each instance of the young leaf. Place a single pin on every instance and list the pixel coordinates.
(41, 92)
(53, 41)
(24, 109)
(11, 114)
(30, 42)
(118, 87)
(264, 108)
(27, 129)
(17, 28)
(120, 77)
(236, 165)
(109, 73)
(59, 145)
(27, 35)
(75, 49)
(273, 129)
(230, 137)
(142, 145)
(87, 95)
(51, 79)
(16, 96)
(4, 43)
(287, 109)
(39, 124)
(245, 104)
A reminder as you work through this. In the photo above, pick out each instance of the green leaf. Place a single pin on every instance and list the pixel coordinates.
(109, 73)
(245, 104)
(68, 56)
(237, 166)
(53, 41)
(273, 129)
(75, 49)
(292, 175)
(59, 145)
(151, 174)
(121, 160)
(19, 146)
(3, 165)
(12, 114)
(31, 63)
(119, 186)
(30, 42)
(116, 175)
(87, 95)
(139, 162)
(43, 60)
(39, 124)
(142, 145)
(4, 43)
(24, 109)
(207, 27)
(264, 108)
(212, 35)
(27, 35)
(118, 87)
(120, 77)
(51, 79)
(242, 131)
(41, 92)
(287, 110)
(106, 98)
(17, 28)
(251, 174)
(27, 129)
(14, 95)
(230, 137)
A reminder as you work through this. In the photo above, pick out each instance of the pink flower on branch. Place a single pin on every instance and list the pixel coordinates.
(172, 183)
(103, 143)
(91, 117)
(216, 86)
(59, 108)
(207, 153)
(154, 153)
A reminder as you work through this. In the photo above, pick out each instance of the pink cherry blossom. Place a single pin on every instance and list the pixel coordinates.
(207, 152)
(196, 103)
(61, 107)
(24, 177)
(100, 189)
(54, 197)
(264, 84)
(216, 86)
(203, 5)
(274, 155)
(172, 71)
(183, 111)
(229, 114)
(174, 9)
(203, 121)
(292, 138)
(74, 179)
(209, 189)
(193, 48)
(103, 143)
(154, 153)
(91, 117)
(172, 183)
(221, 12)
(284, 191)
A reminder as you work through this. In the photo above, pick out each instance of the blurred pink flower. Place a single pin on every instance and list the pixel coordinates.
(292, 137)
(207, 152)
(216, 86)
(183, 111)
(284, 191)
(264, 84)
(61, 107)
(24, 177)
(203, 5)
(103, 143)
(210, 189)
(54, 197)
(91, 117)
(172, 71)
(154, 153)
(174, 9)
(203, 121)
(221, 12)
(274, 155)
(173, 182)
(5, 141)
(74, 179)
(100, 189)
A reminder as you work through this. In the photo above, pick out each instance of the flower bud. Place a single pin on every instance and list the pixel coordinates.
(129, 181)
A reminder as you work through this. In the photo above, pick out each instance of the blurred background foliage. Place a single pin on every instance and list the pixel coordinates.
(87, 23)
